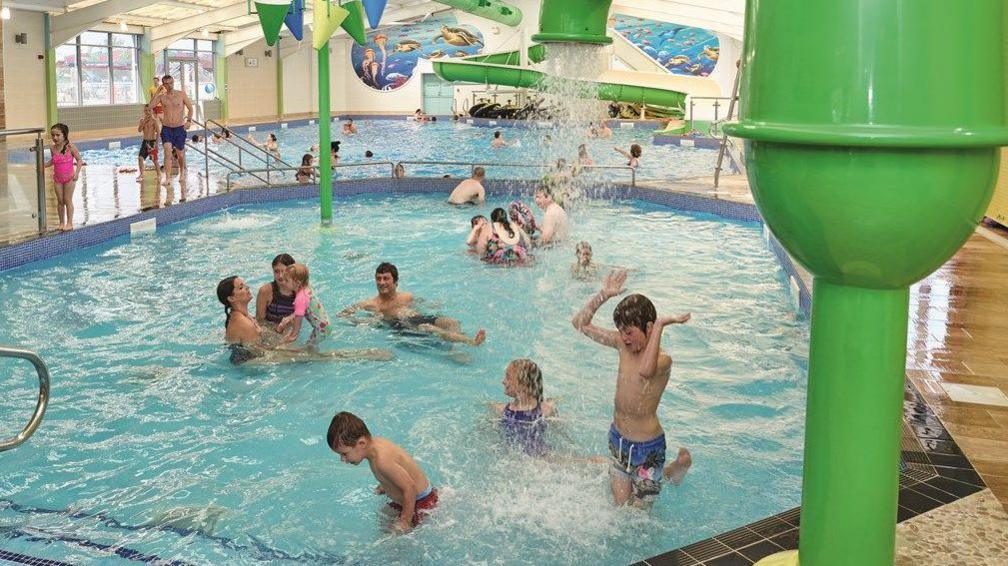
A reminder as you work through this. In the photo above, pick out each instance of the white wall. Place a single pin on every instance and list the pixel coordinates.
(24, 72)
(299, 80)
(252, 90)
(724, 72)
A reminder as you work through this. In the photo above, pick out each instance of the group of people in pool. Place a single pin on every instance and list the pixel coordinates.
(636, 440)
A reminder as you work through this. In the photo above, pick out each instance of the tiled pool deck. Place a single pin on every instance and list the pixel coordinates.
(955, 454)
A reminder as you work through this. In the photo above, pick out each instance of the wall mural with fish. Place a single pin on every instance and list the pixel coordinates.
(391, 54)
(683, 50)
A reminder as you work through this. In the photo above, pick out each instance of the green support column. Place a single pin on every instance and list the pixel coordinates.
(325, 137)
(221, 77)
(146, 64)
(871, 189)
(52, 114)
(279, 81)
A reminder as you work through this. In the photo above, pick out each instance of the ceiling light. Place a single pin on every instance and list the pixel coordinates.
(5, 13)
(122, 25)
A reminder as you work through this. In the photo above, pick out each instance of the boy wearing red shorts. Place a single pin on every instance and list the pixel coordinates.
(399, 477)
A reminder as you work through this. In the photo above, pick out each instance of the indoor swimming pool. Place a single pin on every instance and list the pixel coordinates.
(403, 140)
(155, 444)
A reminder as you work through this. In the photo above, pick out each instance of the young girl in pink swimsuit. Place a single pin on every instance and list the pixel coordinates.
(66, 163)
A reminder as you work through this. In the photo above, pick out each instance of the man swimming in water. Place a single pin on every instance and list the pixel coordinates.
(396, 307)
(636, 438)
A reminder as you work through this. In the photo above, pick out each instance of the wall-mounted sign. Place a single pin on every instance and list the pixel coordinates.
(251, 62)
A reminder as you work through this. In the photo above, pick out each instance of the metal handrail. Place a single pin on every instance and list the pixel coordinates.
(266, 153)
(473, 165)
(315, 170)
(224, 160)
(43, 398)
(21, 131)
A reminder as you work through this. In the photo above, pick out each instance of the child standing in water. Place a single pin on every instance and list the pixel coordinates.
(306, 172)
(306, 306)
(66, 163)
(633, 156)
(523, 419)
(399, 477)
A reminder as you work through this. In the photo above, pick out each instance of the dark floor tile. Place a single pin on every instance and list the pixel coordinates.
(674, 558)
(954, 487)
(739, 537)
(925, 431)
(706, 549)
(958, 474)
(950, 461)
(769, 527)
(934, 493)
(733, 559)
(759, 550)
(914, 456)
(940, 446)
(788, 540)
(917, 501)
(902, 514)
(791, 516)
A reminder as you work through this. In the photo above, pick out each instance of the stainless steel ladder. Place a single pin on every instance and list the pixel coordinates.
(43, 398)
(263, 158)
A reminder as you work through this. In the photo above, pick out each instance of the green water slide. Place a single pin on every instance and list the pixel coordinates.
(502, 69)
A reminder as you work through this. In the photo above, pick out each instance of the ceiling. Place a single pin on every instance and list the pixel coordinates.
(230, 21)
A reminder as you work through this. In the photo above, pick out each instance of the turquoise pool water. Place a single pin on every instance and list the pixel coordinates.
(153, 442)
(397, 140)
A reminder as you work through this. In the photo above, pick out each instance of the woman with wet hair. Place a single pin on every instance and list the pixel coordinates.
(275, 299)
(508, 243)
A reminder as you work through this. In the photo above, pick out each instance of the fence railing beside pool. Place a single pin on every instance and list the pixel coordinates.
(472, 165)
(25, 208)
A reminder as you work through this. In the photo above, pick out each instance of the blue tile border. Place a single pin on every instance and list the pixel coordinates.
(701, 142)
(51, 245)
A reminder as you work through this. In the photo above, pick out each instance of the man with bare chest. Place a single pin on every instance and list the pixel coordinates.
(636, 437)
(178, 111)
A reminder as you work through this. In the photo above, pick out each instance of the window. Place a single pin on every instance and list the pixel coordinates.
(97, 68)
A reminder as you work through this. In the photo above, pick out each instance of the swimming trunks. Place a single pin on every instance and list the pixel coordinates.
(640, 462)
(525, 429)
(412, 322)
(241, 353)
(63, 166)
(306, 304)
(148, 148)
(425, 503)
(279, 306)
(176, 136)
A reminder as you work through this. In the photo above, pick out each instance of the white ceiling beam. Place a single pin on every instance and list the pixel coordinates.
(192, 23)
(38, 5)
(66, 26)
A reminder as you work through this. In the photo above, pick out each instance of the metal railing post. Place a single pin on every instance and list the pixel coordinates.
(40, 181)
(43, 398)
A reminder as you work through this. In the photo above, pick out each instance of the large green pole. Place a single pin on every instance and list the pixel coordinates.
(325, 172)
(146, 64)
(279, 82)
(871, 189)
(221, 77)
(52, 114)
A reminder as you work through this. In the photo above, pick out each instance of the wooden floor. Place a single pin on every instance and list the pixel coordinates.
(959, 334)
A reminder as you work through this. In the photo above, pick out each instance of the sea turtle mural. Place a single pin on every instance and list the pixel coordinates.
(388, 60)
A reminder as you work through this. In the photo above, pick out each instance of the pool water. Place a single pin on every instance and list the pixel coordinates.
(154, 443)
(398, 140)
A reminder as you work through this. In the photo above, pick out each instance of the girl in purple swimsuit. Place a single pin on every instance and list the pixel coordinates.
(523, 420)
(66, 163)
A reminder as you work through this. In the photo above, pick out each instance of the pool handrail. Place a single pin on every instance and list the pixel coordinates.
(43, 398)
(315, 169)
(251, 146)
(39, 150)
(473, 165)
(223, 159)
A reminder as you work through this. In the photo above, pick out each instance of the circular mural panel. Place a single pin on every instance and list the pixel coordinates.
(391, 54)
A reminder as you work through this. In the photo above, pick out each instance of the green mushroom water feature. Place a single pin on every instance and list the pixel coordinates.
(872, 133)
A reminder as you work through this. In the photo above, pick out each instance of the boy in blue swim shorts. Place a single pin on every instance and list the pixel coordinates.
(636, 438)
